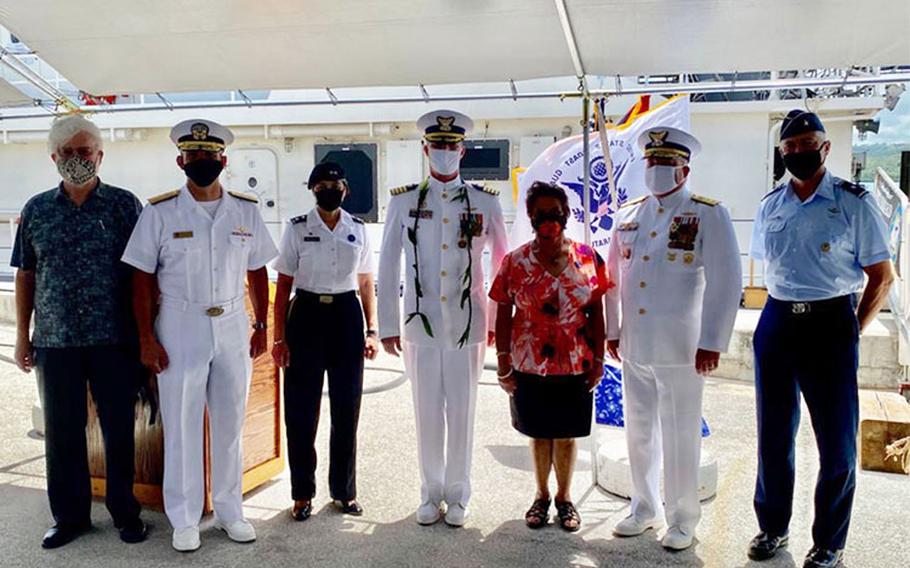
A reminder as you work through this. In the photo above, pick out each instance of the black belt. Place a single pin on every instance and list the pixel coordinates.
(324, 298)
(816, 306)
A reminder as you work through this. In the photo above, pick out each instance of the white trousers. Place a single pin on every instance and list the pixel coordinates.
(663, 412)
(210, 367)
(444, 384)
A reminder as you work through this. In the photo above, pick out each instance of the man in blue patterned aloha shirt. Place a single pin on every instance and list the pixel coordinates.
(67, 252)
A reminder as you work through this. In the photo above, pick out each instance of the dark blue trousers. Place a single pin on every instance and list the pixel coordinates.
(813, 353)
(324, 338)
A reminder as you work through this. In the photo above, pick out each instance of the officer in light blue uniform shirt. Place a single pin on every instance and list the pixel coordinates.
(819, 236)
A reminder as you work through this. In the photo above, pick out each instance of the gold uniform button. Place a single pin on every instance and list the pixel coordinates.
(660, 209)
(443, 273)
(445, 246)
(445, 219)
(443, 299)
(642, 311)
(641, 284)
(445, 195)
(646, 258)
(653, 234)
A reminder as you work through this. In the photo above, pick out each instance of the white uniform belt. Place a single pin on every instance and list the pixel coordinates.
(211, 310)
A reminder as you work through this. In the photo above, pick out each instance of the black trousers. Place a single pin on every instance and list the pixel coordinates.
(813, 353)
(113, 374)
(325, 335)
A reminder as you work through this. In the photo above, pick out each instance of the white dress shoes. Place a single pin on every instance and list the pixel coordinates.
(238, 531)
(186, 539)
(631, 526)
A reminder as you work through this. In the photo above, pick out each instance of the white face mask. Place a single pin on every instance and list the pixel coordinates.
(661, 179)
(444, 162)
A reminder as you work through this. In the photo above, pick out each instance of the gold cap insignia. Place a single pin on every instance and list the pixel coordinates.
(445, 123)
(199, 131)
(658, 137)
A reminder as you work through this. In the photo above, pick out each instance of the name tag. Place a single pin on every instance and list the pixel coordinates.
(183, 235)
(422, 213)
(632, 226)
(311, 239)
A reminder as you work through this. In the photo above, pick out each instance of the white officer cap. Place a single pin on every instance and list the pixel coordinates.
(668, 142)
(445, 126)
(201, 134)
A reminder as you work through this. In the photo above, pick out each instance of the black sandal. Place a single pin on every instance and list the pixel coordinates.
(538, 515)
(567, 512)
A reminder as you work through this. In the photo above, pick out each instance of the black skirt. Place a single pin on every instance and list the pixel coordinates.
(556, 406)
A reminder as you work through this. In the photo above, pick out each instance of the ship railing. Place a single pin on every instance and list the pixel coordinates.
(896, 208)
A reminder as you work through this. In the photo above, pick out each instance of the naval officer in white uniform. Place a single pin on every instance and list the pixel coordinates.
(443, 225)
(676, 263)
(197, 245)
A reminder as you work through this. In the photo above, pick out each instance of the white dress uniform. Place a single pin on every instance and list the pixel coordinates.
(201, 263)
(322, 260)
(443, 372)
(676, 264)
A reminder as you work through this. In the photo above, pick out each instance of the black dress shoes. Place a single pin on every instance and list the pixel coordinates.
(302, 512)
(351, 507)
(62, 534)
(134, 531)
(823, 558)
(765, 546)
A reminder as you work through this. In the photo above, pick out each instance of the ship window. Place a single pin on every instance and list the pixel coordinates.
(359, 163)
(485, 160)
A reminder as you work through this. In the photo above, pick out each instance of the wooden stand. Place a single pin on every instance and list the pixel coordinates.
(754, 297)
(884, 419)
(262, 457)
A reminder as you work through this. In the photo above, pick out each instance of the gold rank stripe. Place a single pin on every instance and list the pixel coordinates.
(200, 145)
(164, 197)
(244, 196)
(666, 153)
(704, 200)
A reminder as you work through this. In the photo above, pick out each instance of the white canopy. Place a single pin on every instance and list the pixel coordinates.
(11, 96)
(106, 47)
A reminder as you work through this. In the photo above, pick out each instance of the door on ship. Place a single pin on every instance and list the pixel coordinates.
(255, 171)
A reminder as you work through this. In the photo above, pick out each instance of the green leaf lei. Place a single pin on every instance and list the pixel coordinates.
(412, 236)
(467, 232)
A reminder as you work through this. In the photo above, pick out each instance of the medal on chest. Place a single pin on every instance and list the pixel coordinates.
(683, 232)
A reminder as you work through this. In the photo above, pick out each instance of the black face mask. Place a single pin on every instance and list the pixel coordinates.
(545, 216)
(803, 165)
(203, 172)
(329, 198)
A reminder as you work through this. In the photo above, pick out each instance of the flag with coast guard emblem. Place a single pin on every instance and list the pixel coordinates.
(563, 164)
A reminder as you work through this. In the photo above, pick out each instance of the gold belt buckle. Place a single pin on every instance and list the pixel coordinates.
(214, 311)
(323, 299)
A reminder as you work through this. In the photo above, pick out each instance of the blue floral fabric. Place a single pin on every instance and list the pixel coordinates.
(608, 401)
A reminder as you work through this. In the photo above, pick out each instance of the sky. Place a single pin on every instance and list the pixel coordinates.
(895, 125)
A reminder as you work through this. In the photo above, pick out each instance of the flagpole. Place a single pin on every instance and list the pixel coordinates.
(586, 149)
(605, 148)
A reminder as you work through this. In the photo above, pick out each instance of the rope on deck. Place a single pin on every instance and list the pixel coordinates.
(899, 451)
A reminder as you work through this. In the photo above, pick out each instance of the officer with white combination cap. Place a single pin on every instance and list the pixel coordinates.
(197, 245)
(676, 263)
(443, 224)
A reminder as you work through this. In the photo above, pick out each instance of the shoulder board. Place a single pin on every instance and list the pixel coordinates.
(704, 200)
(485, 189)
(402, 189)
(357, 220)
(851, 187)
(298, 219)
(244, 196)
(164, 197)
(633, 202)
(773, 191)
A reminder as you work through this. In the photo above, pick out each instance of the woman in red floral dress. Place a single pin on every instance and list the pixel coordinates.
(550, 345)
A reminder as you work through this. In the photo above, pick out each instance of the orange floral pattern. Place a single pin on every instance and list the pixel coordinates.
(550, 330)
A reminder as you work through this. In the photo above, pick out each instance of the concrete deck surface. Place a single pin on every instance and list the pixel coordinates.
(495, 535)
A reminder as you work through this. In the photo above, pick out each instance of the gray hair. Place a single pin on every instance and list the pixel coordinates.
(65, 128)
